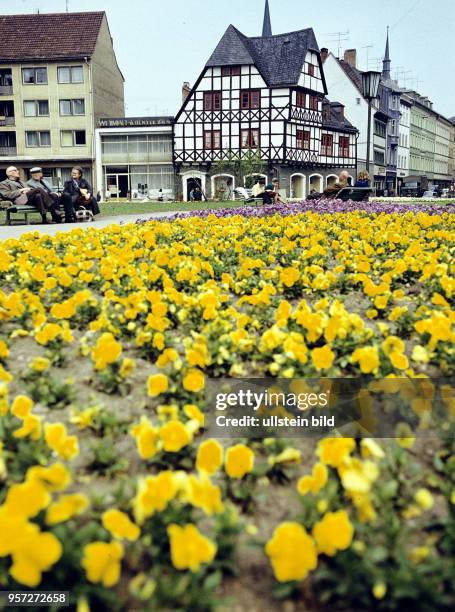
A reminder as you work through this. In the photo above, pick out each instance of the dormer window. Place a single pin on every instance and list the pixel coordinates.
(311, 69)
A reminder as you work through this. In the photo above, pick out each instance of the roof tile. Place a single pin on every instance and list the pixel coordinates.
(47, 36)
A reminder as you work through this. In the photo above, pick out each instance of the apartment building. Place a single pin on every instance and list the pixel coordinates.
(58, 76)
(431, 144)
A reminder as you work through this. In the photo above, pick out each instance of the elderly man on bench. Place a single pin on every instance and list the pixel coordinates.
(341, 190)
(15, 191)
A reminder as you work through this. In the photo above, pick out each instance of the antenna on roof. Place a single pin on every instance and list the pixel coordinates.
(67, 2)
(375, 63)
(338, 37)
(367, 47)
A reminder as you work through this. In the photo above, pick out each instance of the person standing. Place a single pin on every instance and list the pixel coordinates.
(14, 189)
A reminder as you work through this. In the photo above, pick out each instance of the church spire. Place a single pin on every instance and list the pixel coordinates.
(386, 63)
(267, 27)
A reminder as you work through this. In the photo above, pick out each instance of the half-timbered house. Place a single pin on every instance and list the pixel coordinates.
(267, 94)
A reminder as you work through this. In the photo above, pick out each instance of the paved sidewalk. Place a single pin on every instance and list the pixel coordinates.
(14, 231)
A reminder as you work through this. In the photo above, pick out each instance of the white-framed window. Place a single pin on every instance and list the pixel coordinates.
(34, 76)
(72, 107)
(70, 74)
(73, 138)
(36, 108)
(38, 139)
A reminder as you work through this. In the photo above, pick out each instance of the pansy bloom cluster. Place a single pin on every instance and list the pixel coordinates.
(109, 483)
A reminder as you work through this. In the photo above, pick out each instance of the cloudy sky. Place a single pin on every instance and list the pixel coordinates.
(161, 44)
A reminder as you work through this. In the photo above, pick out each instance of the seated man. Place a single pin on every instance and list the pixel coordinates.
(77, 193)
(13, 189)
(331, 190)
(39, 182)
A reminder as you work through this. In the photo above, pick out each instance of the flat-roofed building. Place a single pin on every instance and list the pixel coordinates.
(134, 157)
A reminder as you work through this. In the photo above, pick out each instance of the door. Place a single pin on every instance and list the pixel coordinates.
(118, 185)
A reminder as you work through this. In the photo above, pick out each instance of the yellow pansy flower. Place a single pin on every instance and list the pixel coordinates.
(120, 525)
(292, 552)
(333, 532)
(189, 548)
(101, 562)
(239, 461)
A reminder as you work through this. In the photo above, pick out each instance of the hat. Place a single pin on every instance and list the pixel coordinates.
(36, 169)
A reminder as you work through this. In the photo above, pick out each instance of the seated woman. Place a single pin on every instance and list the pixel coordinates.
(363, 179)
(270, 196)
(77, 193)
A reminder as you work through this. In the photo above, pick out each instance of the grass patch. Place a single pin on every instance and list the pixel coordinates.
(109, 209)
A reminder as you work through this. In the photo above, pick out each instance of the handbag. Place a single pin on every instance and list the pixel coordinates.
(20, 200)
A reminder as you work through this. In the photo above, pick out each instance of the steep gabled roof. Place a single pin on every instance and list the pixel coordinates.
(231, 50)
(48, 36)
(353, 73)
(278, 58)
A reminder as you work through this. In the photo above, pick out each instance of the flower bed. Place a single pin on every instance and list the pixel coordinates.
(109, 488)
(322, 206)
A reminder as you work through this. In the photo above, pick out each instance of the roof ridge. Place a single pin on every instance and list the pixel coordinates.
(53, 14)
(282, 34)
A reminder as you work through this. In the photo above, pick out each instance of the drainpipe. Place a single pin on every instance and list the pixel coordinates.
(92, 109)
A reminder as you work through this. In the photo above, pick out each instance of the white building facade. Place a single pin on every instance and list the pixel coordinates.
(344, 81)
(404, 136)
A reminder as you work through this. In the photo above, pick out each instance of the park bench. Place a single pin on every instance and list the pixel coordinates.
(22, 210)
(241, 193)
(356, 194)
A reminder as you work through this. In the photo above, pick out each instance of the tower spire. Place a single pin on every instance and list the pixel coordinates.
(267, 26)
(386, 63)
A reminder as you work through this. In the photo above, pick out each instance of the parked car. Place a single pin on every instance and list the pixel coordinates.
(430, 194)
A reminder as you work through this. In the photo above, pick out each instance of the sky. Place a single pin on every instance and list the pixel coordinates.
(160, 44)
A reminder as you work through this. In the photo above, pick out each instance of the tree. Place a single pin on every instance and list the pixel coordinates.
(242, 164)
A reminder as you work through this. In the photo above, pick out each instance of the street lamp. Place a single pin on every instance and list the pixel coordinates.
(370, 86)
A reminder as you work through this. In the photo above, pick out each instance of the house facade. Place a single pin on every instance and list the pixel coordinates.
(404, 135)
(54, 90)
(264, 95)
(344, 80)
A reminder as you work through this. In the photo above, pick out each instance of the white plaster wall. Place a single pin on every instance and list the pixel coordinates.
(341, 89)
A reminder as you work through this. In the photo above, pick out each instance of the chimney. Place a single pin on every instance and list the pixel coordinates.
(324, 53)
(350, 57)
(339, 109)
(185, 90)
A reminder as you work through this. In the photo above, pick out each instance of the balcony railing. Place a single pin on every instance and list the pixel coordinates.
(6, 90)
(7, 120)
(7, 151)
(393, 139)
